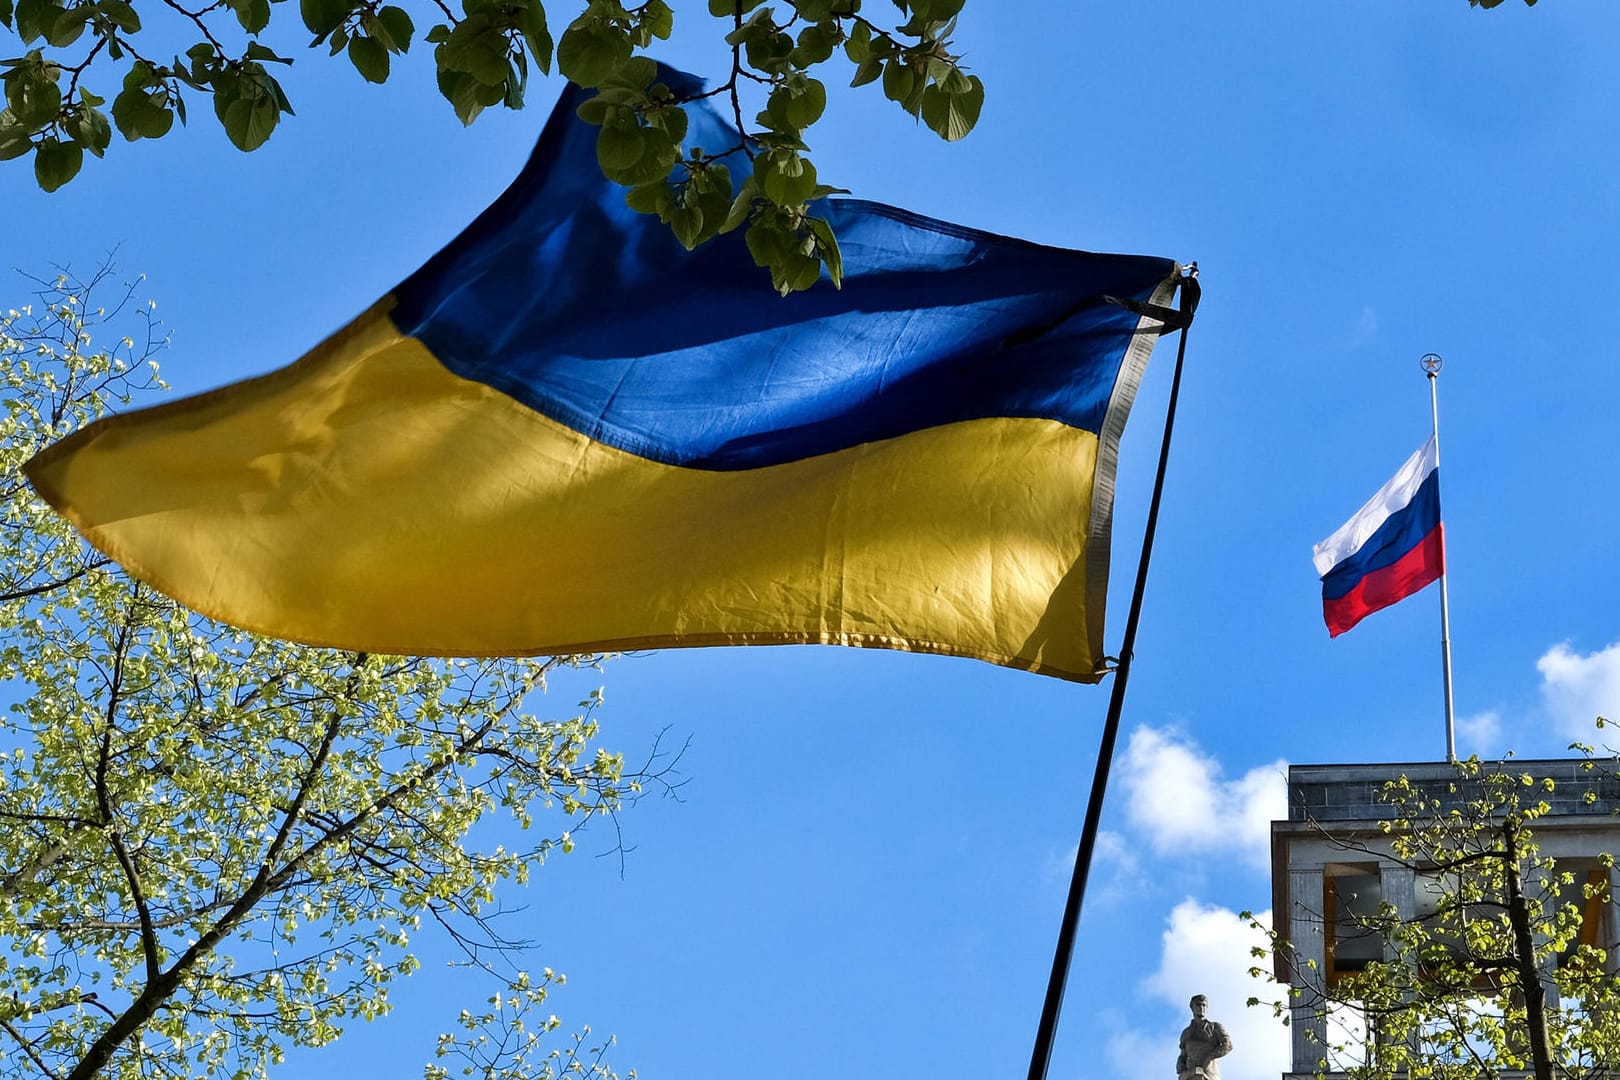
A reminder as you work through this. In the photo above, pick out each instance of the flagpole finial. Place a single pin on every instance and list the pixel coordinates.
(1432, 363)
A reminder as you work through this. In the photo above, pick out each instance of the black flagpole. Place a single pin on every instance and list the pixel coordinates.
(1042, 1057)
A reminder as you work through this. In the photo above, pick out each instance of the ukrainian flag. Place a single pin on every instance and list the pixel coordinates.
(567, 433)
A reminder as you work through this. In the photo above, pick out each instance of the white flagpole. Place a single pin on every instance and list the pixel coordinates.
(1432, 363)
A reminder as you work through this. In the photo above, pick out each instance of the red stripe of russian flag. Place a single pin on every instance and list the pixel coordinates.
(1420, 566)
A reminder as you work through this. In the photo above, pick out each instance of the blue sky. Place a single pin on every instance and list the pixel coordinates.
(867, 865)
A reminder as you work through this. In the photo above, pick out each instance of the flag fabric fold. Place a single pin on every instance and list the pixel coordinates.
(1391, 548)
(567, 433)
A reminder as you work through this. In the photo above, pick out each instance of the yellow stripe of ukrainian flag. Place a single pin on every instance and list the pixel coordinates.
(366, 497)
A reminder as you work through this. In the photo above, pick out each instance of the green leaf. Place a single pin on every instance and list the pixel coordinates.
(254, 15)
(249, 118)
(14, 140)
(370, 58)
(766, 47)
(121, 15)
(274, 88)
(181, 71)
(686, 222)
(34, 101)
(589, 53)
(670, 119)
(256, 51)
(532, 22)
(652, 198)
(900, 83)
(795, 272)
(512, 95)
(324, 16)
(462, 92)
(816, 44)
(714, 196)
(477, 48)
(56, 162)
(633, 155)
(756, 24)
(827, 248)
(658, 18)
(806, 104)
(124, 112)
(34, 17)
(636, 73)
(395, 28)
(858, 45)
(767, 241)
(139, 76)
(6, 10)
(65, 29)
(786, 178)
(631, 100)
(89, 128)
(488, 95)
(619, 147)
(952, 115)
(955, 81)
(742, 206)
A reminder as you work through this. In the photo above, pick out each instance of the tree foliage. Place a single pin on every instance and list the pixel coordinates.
(79, 54)
(215, 847)
(1505, 968)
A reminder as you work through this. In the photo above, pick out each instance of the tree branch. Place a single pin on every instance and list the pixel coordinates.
(28, 1048)
(163, 984)
(149, 942)
(23, 594)
(27, 872)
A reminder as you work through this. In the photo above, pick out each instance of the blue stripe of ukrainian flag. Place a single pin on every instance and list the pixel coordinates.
(567, 433)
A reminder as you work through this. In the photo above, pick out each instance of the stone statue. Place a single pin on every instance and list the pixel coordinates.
(1201, 1043)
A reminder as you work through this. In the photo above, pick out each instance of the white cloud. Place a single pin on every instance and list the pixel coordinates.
(1139, 1055)
(1060, 867)
(1366, 329)
(1578, 689)
(1112, 851)
(1480, 734)
(1177, 796)
(1206, 950)
(1116, 872)
(1367, 325)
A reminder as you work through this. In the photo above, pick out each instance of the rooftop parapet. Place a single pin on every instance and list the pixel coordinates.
(1325, 793)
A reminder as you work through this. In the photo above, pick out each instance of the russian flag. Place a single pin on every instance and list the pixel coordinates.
(1391, 548)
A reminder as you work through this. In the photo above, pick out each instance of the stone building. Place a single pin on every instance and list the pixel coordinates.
(1329, 864)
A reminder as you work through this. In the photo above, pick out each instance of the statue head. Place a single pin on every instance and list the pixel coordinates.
(1199, 1005)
